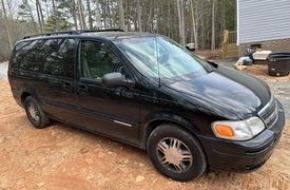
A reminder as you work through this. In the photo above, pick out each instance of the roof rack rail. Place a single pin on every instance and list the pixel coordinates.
(52, 33)
(105, 30)
(73, 32)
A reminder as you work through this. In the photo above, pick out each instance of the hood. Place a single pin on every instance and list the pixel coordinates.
(224, 92)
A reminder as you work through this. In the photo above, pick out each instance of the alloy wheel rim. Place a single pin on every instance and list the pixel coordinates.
(174, 155)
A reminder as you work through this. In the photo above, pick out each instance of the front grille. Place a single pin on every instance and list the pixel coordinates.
(269, 113)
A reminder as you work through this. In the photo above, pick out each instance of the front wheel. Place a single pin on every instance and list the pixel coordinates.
(176, 153)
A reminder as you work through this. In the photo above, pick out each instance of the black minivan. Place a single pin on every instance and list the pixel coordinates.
(148, 91)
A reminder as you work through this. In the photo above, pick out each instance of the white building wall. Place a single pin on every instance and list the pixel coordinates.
(262, 20)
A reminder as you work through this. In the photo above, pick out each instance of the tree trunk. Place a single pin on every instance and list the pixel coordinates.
(121, 15)
(194, 33)
(109, 14)
(56, 27)
(81, 14)
(128, 15)
(90, 14)
(104, 14)
(150, 20)
(154, 23)
(99, 18)
(169, 20)
(139, 13)
(41, 13)
(223, 16)
(38, 9)
(213, 26)
(202, 31)
(180, 12)
(73, 11)
(6, 26)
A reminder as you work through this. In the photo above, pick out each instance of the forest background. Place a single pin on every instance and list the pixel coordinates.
(201, 22)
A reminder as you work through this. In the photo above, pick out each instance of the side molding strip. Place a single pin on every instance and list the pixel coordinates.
(122, 123)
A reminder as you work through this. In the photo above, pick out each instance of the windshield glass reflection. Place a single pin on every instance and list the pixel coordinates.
(162, 57)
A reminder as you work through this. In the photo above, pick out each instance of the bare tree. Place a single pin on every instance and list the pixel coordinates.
(213, 26)
(39, 15)
(198, 21)
(121, 15)
(6, 25)
(194, 32)
(73, 12)
(55, 13)
(81, 14)
(90, 14)
(180, 10)
(139, 12)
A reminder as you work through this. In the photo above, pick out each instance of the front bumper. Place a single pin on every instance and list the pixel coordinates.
(244, 156)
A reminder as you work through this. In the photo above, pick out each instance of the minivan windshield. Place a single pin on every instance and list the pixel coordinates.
(158, 56)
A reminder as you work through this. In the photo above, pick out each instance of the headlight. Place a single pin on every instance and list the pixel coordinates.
(238, 130)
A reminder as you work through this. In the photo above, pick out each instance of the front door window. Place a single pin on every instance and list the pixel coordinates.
(97, 59)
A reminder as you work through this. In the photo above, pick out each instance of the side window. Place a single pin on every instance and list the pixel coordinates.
(58, 57)
(52, 57)
(25, 54)
(66, 53)
(97, 59)
(48, 57)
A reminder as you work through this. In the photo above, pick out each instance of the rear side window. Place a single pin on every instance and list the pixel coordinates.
(58, 57)
(46, 56)
(24, 56)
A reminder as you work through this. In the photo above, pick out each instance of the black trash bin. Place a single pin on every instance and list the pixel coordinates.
(279, 64)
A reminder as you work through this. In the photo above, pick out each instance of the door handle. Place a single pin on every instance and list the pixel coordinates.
(128, 94)
(67, 85)
(83, 88)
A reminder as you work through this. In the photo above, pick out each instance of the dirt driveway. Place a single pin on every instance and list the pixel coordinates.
(60, 157)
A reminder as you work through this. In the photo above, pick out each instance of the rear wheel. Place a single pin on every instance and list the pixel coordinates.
(176, 153)
(35, 114)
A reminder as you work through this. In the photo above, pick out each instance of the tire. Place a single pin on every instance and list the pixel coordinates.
(167, 144)
(35, 114)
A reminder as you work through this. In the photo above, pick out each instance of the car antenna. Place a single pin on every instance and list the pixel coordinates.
(158, 69)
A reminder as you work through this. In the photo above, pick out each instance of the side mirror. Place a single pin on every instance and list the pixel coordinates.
(112, 80)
